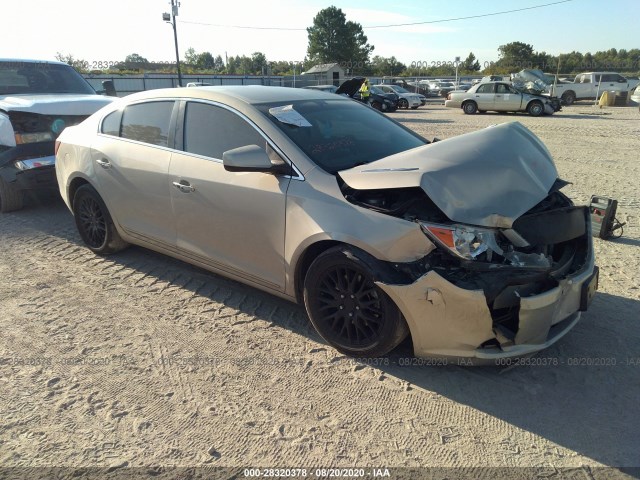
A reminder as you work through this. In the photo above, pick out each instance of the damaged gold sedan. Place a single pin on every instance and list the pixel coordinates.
(467, 244)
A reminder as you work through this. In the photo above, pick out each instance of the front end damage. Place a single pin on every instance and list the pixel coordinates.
(512, 271)
(534, 83)
(505, 307)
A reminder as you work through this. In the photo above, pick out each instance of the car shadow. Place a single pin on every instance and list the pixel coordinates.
(625, 241)
(581, 393)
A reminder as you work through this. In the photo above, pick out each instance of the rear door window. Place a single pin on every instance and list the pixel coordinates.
(147, 122)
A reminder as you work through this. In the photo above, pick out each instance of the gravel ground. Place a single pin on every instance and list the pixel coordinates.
(140, 360)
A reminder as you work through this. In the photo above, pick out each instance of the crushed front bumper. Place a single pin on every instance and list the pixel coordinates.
(448, 321)
(39, 162)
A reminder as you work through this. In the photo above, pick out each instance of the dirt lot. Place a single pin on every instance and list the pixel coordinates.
(141, 360)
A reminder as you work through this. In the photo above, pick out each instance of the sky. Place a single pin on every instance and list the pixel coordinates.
(108, 31)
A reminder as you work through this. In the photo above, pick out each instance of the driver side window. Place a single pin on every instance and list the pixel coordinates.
(210, 130)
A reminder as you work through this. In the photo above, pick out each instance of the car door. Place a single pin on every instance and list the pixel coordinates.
(507, 99)
(232, 221)
(131, 158)
(613, 82)
(484, 96)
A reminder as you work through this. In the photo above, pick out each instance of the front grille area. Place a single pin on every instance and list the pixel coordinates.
(27, 122)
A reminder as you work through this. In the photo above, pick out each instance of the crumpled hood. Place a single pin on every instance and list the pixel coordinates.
(489, 177)
(57, 104)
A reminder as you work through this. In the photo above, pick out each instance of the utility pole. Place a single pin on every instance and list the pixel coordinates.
(171, 18)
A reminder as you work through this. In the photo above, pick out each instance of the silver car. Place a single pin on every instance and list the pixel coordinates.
(499, 97)
(465, 244)
(407, 99)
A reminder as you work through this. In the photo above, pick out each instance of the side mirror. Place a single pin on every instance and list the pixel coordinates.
(109, 88)
(251, 158)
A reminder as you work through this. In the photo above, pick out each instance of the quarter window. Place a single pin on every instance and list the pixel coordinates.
(211, 130)
(111, 123)
(147, 122)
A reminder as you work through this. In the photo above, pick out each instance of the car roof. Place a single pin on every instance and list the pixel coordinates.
(30, 60)
(249, 94)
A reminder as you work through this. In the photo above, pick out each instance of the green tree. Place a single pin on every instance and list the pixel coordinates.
(218, 64)
(470, 64)
(135, 58)
(205, 61)
(515, 53)
(259, 63)
(334, 39)
(80, 65)
(190, 56)
(381, 66)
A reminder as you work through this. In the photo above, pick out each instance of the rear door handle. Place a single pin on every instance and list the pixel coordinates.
(184, 186)
(103, 162)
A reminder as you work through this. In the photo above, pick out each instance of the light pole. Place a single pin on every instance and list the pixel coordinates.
(171, 18)
(457, 64)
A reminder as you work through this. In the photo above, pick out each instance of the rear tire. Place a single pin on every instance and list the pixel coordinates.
(469, 108)
(94, 222)
(11, 198)
(347, 308)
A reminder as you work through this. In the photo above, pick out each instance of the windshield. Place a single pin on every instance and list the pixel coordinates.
(18, 77)
(446, 84)
(344, 134)
(377, 91)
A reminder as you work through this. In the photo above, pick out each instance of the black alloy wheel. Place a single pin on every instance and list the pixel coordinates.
(348, 309)
(94, 222)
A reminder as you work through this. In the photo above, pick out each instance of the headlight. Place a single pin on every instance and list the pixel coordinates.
(469, 242)
(33, 137)
(464, 241)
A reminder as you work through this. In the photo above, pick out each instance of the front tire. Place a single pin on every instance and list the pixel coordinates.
(347, 308)
(403, 103)
(11, 198)
(535, 108)
(94, 222)
(469, 108)
(568, 97)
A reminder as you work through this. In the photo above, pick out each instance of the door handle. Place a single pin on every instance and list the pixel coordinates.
(103, 162)
(184, 186)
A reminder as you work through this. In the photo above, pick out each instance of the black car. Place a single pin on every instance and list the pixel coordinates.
(385, 102)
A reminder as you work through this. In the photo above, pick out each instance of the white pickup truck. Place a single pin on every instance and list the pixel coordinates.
(38, 99)
(586, 86)
(589, 86)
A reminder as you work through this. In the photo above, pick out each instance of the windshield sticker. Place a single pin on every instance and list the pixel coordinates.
(288, 115)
